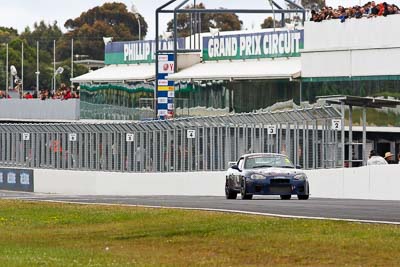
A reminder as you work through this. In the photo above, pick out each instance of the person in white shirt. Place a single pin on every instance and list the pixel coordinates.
(375, 159)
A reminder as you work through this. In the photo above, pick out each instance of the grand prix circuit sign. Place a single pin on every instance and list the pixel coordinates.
(254, 45)
(136, 51)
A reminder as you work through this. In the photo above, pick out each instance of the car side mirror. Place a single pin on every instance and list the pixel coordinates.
(235, 167)
(299, 167)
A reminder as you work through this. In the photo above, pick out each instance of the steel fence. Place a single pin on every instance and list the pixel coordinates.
(188, 144)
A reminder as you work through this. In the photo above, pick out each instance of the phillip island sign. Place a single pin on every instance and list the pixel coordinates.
(254, 45)
(136, 51)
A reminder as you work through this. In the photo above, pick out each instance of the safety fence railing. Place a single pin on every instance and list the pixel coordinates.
(189, 144)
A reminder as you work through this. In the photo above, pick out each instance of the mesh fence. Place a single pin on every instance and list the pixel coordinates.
(189, 144)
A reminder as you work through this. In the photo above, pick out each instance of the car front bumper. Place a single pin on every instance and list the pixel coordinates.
(277, 187)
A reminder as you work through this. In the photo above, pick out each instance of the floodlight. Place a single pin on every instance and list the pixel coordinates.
(134, 10)
(290, 26)
(107, 40)
(59, 70)
(214, 31)
(167, 35)
(13, 70)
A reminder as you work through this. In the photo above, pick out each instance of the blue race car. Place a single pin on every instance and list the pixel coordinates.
(266, 174)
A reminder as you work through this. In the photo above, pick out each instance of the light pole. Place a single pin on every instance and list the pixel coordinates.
(72, 58)
(273, 12)
(59, 71)
(7, 85)
(135, 12)
(54, 66)
(13, 74)
(37, 69)
(22, 70)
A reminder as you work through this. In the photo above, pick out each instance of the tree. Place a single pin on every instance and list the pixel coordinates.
(222, 21)
(14, 55)
(109, 20)
(313, 4)
(45, 66)
(226, 21)
(269, 23)
(44, 33)
(7, 34)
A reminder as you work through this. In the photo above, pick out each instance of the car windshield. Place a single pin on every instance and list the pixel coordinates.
(265, 161)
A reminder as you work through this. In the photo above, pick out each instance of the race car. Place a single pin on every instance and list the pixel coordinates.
(266, 174)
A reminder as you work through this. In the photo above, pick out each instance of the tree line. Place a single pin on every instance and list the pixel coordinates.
(87, 31)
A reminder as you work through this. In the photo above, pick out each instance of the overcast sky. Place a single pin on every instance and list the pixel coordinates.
(21, 13)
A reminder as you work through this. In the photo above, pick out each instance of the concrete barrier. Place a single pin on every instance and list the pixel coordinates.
(109, 183)
(371, 182)
(36, 109)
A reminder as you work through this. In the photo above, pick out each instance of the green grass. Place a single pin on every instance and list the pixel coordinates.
(49, 234)
(375, 117)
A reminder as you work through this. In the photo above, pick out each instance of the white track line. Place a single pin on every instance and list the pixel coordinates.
(224, 210)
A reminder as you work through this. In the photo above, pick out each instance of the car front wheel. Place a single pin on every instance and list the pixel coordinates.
(229, 193)
(244, 193)
(303, 197)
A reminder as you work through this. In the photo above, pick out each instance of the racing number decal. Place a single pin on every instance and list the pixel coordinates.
(337, 125)
(271, 129)
(191, 134)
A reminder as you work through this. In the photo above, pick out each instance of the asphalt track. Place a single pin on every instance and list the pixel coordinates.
(369, 211)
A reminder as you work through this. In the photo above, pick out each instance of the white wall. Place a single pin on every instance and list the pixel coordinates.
(371, 182)
(36, 109)
(377, 32)
(326, 64)
(110, 183)
(347, 63)
(357, 47)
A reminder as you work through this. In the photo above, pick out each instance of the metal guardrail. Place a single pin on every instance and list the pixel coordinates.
(187, 144)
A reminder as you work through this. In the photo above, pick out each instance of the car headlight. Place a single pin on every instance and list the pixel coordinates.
(257, 176)
(300, 177)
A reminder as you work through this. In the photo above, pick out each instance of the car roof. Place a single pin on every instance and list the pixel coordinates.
(262, 154)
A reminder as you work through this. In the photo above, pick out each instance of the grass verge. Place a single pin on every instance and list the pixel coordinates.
(49, 234)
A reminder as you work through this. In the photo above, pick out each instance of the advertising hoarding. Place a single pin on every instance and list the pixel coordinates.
(135, 52)
(280, 43)
(165, 88)
(16, 180)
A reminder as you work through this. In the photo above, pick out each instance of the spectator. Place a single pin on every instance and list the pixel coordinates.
(389, 158)
(44, 94)
(358, 14)
(370, 9)
(373, 10)
(28, 96)
(58, 94)
(75, 94)
(314, 16)
(375, 159)
(67, 94)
